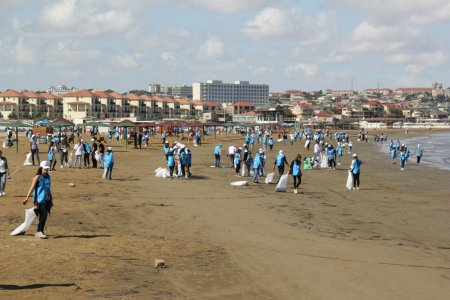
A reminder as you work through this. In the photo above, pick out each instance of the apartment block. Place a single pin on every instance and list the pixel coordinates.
(239, 91)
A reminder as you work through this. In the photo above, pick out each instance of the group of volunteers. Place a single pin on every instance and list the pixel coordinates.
(401, 152)
(325, 155)
(179, 159)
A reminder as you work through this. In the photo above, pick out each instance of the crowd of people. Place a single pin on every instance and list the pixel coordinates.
(325, 155)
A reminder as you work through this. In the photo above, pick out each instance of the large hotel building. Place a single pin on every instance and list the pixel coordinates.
(217, 91)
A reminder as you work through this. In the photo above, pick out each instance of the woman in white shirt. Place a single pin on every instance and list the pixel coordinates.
(3, 171)
(78, 154)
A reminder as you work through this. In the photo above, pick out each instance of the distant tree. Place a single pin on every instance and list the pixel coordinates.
(12, 116)
(335, 111)
(395, 111)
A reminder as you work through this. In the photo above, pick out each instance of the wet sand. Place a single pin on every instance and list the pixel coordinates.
(388, 240)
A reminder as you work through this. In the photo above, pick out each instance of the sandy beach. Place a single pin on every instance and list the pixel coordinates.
(388, 240)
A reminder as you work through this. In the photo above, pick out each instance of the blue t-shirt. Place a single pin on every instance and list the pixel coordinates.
(42, 188)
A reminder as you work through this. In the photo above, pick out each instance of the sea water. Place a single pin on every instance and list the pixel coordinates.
(436, 149)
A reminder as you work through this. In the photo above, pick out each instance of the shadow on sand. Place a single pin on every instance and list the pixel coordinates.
(14, 287)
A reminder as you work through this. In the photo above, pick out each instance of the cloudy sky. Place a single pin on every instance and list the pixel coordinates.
(309, 44)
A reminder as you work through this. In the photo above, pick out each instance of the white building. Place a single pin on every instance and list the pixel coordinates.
(216, 91)
(182, 91)
(154, 88)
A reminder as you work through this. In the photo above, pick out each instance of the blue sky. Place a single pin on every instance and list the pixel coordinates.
(303, 45)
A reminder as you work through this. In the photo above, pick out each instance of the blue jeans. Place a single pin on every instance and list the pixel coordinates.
(108, 171)
(255, 175)
(2, 182)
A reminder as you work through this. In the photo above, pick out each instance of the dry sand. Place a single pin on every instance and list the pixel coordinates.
(390, 240)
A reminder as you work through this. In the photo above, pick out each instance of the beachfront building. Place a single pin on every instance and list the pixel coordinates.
(13, 104)
(53, 105)
(272, 115)
(81, 105)
(219, 92)
(154, 88)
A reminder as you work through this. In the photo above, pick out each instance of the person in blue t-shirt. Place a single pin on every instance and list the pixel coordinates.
(171, 162)
(296, 172)
(355, 169)
(217, 155)
(280, 161)
(271, 143)
(42, 196)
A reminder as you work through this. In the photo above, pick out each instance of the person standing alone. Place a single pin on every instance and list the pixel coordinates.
(355, 168)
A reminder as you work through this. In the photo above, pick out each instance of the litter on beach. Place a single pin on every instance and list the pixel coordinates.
(29, 218)
(269, 178)
(282, 184)
(239, 183)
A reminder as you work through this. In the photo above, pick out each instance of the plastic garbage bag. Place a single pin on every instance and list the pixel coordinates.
(160, 172)
(280, 140)
(324, 162)
(70, 161)
(349, 184)
(157, 170)
(269, 178)
(29, 218)
(244, 171)
(282, 184)
(239, 183)
(4, 144)
(97, 156)
(165, 173)
(307, 164)
(28, 161)
(307, 143)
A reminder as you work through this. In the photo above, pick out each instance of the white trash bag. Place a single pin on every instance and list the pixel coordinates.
(244, 171)
(282, 184)
(280, 140)
(70, 161)
(165, 173)
(307, 143)
(349, 184)
(160, 172)
(97, 156)
(28, 161)
(157, 170)
(4, 144)
(29, 218)
(324, 162)
(269, 178)
(239, 183)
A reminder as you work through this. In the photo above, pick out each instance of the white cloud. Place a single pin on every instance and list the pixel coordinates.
(235, 5)
(73, 18)
(211, 49)
(262, 70)
(167, 56)
(334, 57)
(71, 52)
(415, 63)
(24, 54)
(128, 60)
(309, 70)
(395, 11)
(367, 37)
(183, 33)
(224, 6)
(288, 23)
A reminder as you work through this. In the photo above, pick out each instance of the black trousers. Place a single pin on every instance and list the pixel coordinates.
(86, 159)
(355, 180)
(94, 161)
(418, 159)
(42, 208)
(297, 181)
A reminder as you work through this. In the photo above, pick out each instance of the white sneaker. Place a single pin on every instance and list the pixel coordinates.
(3, 194)
(40, 235)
